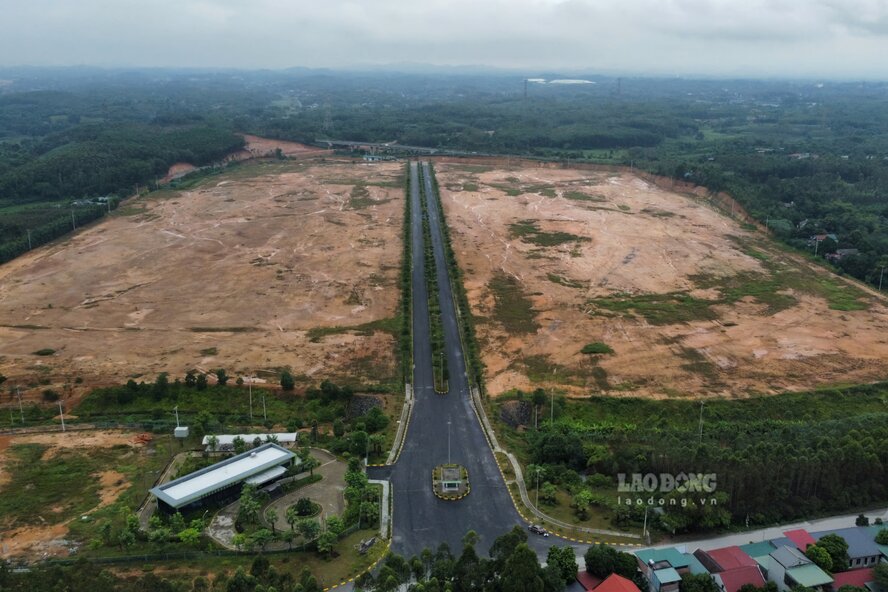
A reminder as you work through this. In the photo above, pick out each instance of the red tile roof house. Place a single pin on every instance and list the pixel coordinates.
(612, 583)
(801, 538)
(731, 568)
(855, 577)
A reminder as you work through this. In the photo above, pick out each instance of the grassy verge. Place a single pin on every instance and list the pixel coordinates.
(439, 358)
(475, 366)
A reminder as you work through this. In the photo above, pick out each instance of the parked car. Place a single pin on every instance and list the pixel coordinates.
(538, 530)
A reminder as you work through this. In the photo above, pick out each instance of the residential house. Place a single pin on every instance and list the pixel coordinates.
(788, 568)
(862, 548)
(663, 568)
(731, 568)
(612, 583)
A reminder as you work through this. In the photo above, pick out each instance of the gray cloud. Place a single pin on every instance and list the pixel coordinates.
(821, 38)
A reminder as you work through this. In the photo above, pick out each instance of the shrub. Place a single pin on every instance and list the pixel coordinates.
(44, 352)
(50, 396)
(596, 347)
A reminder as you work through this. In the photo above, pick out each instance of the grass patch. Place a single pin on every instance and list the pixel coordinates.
(223, 329)
(659, 309)
(596, 347)
(210, 351)
(46, 351)
(563, 281)
(512, 309)
(580, 196)
(529, 232)
(51, 490)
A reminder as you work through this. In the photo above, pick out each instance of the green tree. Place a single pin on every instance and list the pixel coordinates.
(862, 520)
(190, 379)
(288, 383)
(325, 543)
(522, 571)
(697, 583)
(221, 377)
(377, 441)
(837, 548)
(309, 463)
(190, 537)
(549, 494)
(248, 512)
(308, 528)
(820, 556)
(603, 560)
(239, 445)
(271, 517)
(564, 559)
(335, 525)
(338, 428)
(213, 442)
(882, 536)
(360, 443)
(880, 575)
(582, 500)
(292, 517)
(201, 382)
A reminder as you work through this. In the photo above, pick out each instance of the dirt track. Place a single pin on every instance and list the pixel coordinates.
(233, 274)
(634, 239)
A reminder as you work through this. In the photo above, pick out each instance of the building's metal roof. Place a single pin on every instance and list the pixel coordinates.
(789, 557)
(861, 540)
(809, 576)
(667, 575)
(267, 476)
(184, 490)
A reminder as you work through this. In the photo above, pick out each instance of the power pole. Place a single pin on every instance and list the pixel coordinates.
(881, 273)
(29, 239)
(251, 396)
(538, 487)
(62, 415)
(264, 410)
(73, 222)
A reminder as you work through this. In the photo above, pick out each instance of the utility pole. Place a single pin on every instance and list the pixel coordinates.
(29, 239)
(251, 396)
(73, 223)
(539, 468)
(881, 273)
(701, 421)
(264, 410)
(816, 245)
(176, 411)
(62, 415)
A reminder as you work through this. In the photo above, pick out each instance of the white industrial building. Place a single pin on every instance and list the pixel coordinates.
(224, 480)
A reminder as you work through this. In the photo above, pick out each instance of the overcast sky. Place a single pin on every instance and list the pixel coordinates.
(807, 38)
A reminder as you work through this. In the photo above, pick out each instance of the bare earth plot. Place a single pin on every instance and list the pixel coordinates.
(689, 301)
(257, 268)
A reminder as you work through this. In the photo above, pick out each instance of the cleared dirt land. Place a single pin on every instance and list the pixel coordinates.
(689, 301)
(261, 267)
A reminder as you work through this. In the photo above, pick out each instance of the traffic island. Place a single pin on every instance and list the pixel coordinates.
(450, 482)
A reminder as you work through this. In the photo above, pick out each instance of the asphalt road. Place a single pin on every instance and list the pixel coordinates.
(420, 519)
